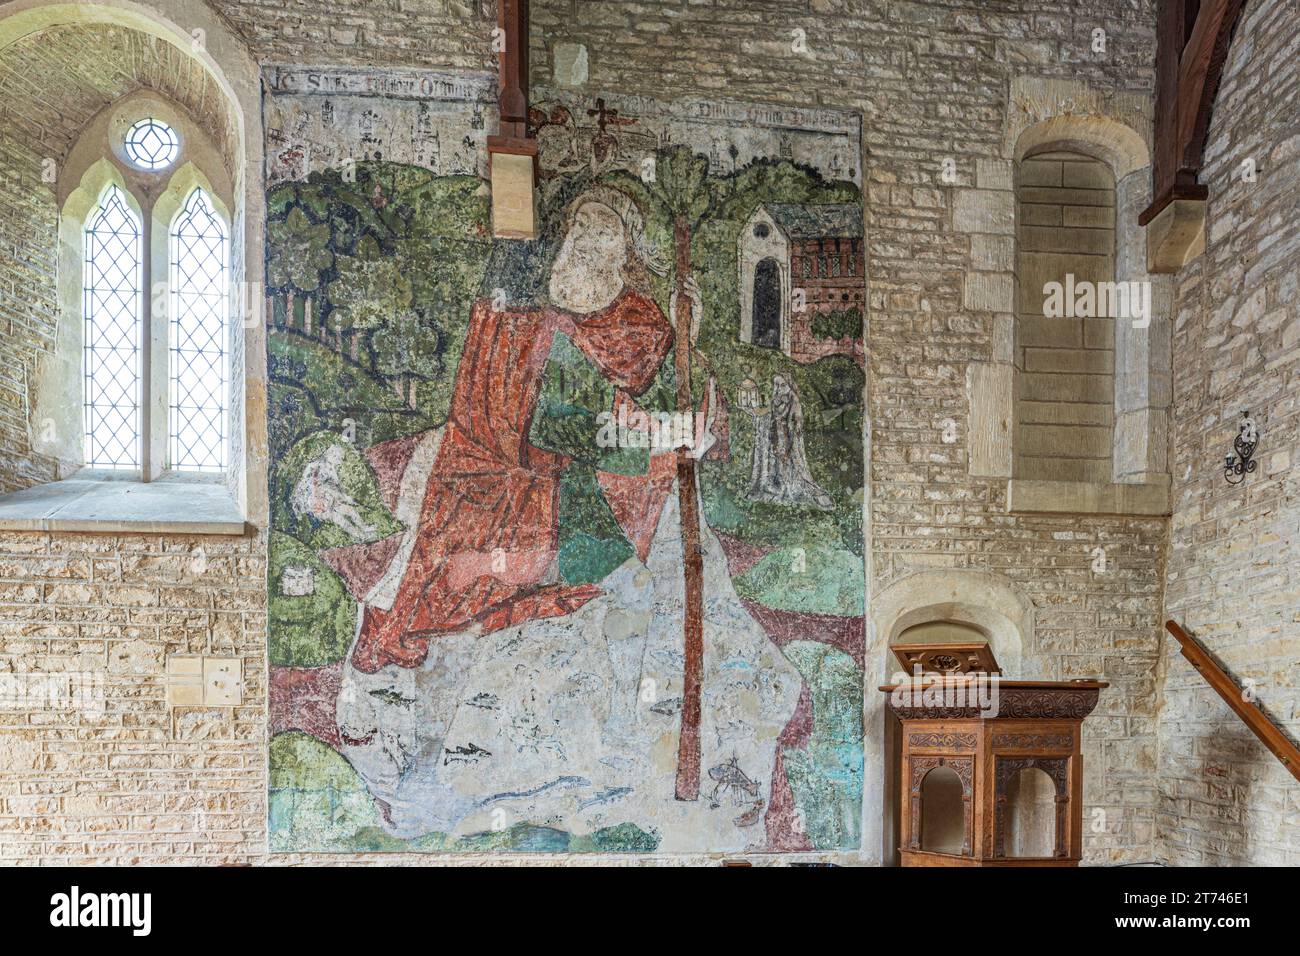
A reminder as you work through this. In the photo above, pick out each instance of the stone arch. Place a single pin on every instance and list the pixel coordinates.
(187, 178)
(1050, 109)
(193, 28)
(203, 37)
(102, 137)
(1115, 143)
(984, 600)
(1069, 117)
(90, 186)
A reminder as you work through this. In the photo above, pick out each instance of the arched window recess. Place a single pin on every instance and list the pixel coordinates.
(147, 233)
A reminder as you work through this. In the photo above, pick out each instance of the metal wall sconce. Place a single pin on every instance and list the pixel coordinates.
(1237, 467)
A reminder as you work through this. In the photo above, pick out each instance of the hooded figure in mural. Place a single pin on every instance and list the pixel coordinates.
(520, 659)
(780, 470)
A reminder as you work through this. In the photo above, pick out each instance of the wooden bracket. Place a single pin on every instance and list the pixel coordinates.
(1192, 45)
(511, 151)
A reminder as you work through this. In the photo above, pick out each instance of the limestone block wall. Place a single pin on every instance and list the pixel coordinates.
(1065, 405)
(28, 295)
(27, 306)
(94, 767)
(944, 91)
(453, 33)
(1234, 571)
(935, 83)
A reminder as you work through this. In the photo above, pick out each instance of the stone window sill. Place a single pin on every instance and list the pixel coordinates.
(1085, 497)
(168, 506)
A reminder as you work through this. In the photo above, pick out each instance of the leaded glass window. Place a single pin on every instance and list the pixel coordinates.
(111, 353)
(152, 145)
(165, 350)
(198, 380)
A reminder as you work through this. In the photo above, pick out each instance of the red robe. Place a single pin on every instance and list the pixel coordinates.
(488, 528)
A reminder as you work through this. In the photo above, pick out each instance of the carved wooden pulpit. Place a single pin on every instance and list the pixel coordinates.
(958, 714)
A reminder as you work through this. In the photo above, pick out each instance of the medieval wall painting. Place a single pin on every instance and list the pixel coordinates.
(486, 632)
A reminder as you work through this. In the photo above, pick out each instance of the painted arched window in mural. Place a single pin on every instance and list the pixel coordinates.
(767, 304)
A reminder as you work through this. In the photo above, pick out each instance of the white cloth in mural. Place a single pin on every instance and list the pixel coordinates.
(572, 722)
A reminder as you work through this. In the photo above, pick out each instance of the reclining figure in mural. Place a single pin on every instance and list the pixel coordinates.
(320, 495)
(520, 661)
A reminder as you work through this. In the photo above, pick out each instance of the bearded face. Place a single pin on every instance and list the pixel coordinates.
(588, 271)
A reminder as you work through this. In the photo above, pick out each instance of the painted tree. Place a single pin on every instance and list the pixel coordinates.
(299, 256)
(370, 291)
(408, 348)
(680, 184)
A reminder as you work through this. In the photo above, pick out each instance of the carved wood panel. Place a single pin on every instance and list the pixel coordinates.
(1005, 770)
(1035, 703)
(1032, 703)
(943, 741)
(1032, 741)
(964, 767)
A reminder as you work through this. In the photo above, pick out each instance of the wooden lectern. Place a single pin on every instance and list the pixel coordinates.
(958, 713)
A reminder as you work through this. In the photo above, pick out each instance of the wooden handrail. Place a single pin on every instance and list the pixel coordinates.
(1269, 733)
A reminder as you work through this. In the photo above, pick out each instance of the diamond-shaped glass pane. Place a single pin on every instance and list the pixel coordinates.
(152, 144)
(199, 312)
(111, 356)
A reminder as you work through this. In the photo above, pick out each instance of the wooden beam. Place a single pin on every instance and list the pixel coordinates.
(512, 153)
(512, 58)
(1192, 46)
(1199, 70)
(1169, 48)
(1260, 724)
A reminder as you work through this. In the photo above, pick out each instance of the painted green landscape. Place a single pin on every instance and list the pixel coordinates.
(372, 279)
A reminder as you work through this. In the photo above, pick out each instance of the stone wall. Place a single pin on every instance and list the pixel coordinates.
(934, 83)
(27, 306)
(1065, 405)
(450, 33)
(94, 767)
(1234, 573)
(30, 141)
